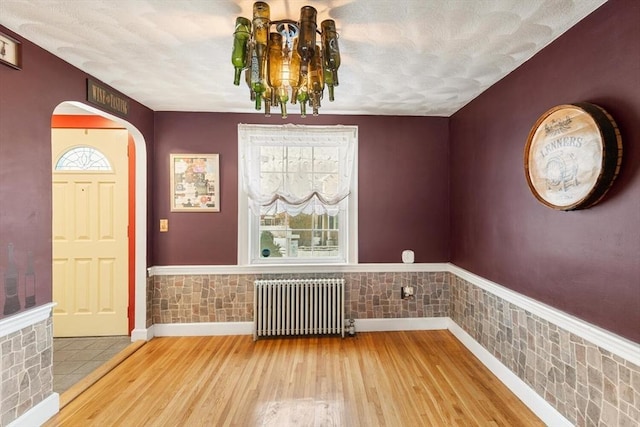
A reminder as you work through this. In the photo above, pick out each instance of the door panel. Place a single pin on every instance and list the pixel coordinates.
(90, 246)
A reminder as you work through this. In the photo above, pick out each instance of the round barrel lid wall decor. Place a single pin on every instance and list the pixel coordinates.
(573, 155)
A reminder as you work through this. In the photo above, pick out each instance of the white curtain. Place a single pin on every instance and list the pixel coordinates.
(296, 169)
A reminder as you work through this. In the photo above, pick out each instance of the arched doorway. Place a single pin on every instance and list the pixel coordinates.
(138, 224)
(137, 220)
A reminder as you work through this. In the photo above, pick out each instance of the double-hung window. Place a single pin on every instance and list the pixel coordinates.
(297, 195)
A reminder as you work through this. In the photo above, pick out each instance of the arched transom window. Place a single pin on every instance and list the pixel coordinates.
(83, 158)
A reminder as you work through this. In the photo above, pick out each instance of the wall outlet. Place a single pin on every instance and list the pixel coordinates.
(406, 292)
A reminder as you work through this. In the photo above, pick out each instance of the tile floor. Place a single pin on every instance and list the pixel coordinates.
(75, 358)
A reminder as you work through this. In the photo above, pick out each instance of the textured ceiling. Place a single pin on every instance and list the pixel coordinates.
(401, 57)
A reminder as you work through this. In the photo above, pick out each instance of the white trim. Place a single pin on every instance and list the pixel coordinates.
(142, 334)
(26, 318)
(140, 320)
(246, 328)
(40, 413)
(609, 341)
(247, 224)
(547, 413)
(202, 329)
(140, 311)
(402, 324)
(172, 270)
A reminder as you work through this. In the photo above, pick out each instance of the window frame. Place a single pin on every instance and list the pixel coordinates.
(249, 236)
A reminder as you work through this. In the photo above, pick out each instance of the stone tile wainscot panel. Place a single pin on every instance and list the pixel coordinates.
(229, 297)
(587, 384)
(27, 369)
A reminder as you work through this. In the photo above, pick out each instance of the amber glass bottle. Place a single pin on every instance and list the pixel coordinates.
(261, 25)
(278, 72)
(307, 36)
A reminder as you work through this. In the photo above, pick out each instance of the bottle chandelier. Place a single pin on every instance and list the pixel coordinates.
(287, 60)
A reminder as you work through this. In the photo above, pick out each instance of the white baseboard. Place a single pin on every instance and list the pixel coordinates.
(246, 328)
(202, 329)
(142, 334)
(402, 324)
(40, 413)
(547, 413)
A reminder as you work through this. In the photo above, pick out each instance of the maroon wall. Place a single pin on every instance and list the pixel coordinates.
(586, 262)
(403, 186)
(27, 100)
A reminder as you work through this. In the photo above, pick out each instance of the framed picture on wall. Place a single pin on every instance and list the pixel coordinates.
(195, 182)
(10, 52)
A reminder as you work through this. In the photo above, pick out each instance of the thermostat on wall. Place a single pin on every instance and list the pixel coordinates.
(407, 257)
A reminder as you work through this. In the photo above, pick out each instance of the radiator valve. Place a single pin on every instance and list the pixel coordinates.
(351, 328)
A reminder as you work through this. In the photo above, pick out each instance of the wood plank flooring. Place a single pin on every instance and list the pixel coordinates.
(417, 378)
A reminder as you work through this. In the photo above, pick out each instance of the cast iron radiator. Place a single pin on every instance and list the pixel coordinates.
(298, 307)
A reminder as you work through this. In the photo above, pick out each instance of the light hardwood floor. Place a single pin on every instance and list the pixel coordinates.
(418, 378)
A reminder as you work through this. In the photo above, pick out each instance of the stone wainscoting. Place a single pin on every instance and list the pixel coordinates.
(587, 384)
(27, 369)
(229, 297)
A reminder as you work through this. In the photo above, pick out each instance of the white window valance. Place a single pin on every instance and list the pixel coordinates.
(296, 169)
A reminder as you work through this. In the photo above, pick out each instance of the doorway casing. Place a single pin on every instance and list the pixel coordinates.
(138, 198)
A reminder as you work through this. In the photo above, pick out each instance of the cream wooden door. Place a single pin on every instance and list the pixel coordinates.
(90, 250)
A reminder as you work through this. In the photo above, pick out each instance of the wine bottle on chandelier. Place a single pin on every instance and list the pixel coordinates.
(240, 43)
(291, 58)
(331, 52)
(316, 80)
(307, 36)
(278, 75)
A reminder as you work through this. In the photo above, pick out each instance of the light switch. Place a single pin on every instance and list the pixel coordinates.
(164, 225)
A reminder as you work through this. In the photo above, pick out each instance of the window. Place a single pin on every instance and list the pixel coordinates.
(83, 158)
(297, 194)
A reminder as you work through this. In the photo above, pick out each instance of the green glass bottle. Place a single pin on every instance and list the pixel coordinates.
(329, 82)
(331, 54)
(316, 80)
(268, 101)
(240, 42)
(295, 77)
(303, 95)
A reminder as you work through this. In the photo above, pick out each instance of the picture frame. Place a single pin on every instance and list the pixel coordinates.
(195, 182)
(10, 51)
